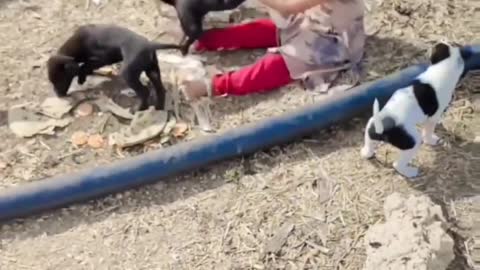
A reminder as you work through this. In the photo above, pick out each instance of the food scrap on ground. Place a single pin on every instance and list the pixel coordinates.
(96, 141)
(79, 138)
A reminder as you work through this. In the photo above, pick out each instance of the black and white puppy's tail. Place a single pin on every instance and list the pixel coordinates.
(161, 46)
(377, 122)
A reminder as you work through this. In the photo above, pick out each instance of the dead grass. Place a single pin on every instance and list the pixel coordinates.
(305, 205)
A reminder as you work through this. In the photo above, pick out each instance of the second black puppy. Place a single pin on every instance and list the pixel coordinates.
(191, 14)
(93, 46)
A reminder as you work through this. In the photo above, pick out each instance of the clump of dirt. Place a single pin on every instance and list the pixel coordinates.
(412, 238)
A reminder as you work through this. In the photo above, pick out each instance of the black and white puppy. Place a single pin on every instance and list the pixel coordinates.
(423, 102)
(93, 46)
(191, 14)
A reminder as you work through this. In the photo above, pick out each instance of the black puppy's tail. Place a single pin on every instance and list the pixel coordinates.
(161, 46)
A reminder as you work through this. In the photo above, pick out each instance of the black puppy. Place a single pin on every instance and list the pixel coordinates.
(93, 46)
(191, 14)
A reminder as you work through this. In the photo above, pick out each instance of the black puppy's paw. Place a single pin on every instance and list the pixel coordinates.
(158, 103)
(184, 47)
(81, 80)
(60, 94)
(184, 50)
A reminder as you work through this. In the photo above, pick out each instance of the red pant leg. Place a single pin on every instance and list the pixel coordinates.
(268, 73)
(257, 34)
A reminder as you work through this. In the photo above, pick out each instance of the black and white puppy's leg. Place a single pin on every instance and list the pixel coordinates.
(154, 75)
(410, 140)
(368, 149)
(428, 131)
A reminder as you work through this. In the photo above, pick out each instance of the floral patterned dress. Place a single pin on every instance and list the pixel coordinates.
(320, 43)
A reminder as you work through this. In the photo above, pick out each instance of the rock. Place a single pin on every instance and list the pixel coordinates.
(412, 237)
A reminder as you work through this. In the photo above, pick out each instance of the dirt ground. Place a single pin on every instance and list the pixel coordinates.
(227, 216)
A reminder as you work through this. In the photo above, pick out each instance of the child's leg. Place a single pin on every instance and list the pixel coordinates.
(257, 34)
(268, 73)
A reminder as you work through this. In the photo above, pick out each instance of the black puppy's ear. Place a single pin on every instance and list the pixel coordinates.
(60, 60)
(440, 52)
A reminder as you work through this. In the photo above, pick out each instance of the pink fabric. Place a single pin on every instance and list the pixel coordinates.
(268, 73)
(253, 35)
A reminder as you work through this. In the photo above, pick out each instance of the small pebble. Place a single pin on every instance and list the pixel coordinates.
(477, 139)
(3, 165)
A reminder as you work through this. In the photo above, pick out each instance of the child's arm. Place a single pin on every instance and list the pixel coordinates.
(288, 7)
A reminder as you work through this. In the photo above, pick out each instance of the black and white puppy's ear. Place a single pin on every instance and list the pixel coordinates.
(440, 52)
